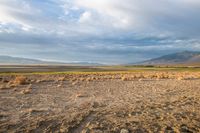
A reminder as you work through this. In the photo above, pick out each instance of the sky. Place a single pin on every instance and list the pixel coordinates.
(101, 31)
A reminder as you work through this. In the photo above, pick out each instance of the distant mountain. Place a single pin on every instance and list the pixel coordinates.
(181, 58)
(22, 61)
(8, 60)
(86, 64)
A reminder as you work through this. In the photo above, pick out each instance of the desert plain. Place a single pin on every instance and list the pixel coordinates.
(100, 102)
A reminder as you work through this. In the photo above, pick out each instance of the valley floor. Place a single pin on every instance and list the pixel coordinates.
(99, 103)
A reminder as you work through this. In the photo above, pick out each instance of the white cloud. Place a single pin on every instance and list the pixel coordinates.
(159, 16)
(111, 24)
(13, 12)
(175, 17)
(85, 17)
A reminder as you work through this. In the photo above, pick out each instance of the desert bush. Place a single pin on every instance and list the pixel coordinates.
(124, 78)
(61, 78)
(88, 79)
(1, 79)
(2, 87)
(73, 79)
(19, 80)
(4, 80)
(81, 79)
(180, 78)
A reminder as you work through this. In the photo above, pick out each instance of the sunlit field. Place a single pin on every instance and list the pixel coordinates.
(103, 99)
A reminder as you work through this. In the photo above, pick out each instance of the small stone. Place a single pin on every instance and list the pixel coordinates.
(80, 95)
(74, 83)
(62, 130)
(85, 131)
(59, 85)
(140, 80)
(27, 91)
(124, 131)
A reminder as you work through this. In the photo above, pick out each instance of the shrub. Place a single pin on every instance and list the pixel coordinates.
(19, 80)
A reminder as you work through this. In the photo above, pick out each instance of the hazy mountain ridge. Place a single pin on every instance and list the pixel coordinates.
(17, 60)
(9, 60)
(182, 58)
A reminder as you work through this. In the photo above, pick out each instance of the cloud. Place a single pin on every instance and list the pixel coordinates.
(98, 30)
(169, 17)
(85, 17)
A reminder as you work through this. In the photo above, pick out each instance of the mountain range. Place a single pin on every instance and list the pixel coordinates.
(186, 58)
(9, 60)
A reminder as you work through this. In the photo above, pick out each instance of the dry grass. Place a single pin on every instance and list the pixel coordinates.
(19, 80)
(124, 78)
(73, 79)
(33, 111)
(157, 76)
(88, 79)
(61, 79)
(180, 78)
(4, 86)
(82, 79)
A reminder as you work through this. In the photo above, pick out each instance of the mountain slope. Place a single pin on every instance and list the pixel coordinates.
(8, 60)
(182, 58)
(21, 61)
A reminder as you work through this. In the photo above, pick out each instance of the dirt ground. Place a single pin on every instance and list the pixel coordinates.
(99, 103)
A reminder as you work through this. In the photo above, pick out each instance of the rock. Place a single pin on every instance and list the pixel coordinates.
(140, 80)
(74, 83)
(59, 85)
(63, 130)
(80, 95)
(124, 131)
(27, 91)
(85, 131)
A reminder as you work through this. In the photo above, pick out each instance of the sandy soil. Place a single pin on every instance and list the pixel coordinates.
(99, 104)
